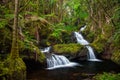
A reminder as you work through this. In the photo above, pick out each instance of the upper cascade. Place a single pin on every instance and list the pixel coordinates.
(46, 50)
(82, 41)
(82, 28)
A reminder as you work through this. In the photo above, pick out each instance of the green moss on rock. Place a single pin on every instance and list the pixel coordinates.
(67, 48)
(107, 76)
(15, 69)
(31, 51)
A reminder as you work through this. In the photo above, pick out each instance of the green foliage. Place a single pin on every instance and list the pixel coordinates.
(5, 41)
(107, 76)
(90, 36)
(116, 56)
(77, 9)
(57, 33)
(67, 48)
(53, 2)
(61, 33)
(99, 44)
(3, 70)
(116, 36)
(28, 48)
(9, 16)
(63, 27)
(107, 31)
(5, 16)
(4, 10)
(3, 23)
(117, 39)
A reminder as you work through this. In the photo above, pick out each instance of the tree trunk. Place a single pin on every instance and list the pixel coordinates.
(14, 49)
(17, 68)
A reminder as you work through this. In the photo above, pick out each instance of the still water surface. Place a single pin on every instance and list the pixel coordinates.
(87, 70)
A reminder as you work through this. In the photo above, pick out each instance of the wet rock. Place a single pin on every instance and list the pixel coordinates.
(73, 38)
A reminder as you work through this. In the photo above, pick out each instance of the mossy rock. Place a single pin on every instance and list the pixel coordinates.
(35, 54)
(71, 51)
(116, 56)
(67, 48)
(29, 50)
(16, 69)
(107, 76)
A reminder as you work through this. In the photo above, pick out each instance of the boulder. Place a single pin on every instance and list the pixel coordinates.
(71, 51)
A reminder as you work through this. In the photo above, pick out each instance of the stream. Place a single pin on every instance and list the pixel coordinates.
(86, 71)
(75, 70)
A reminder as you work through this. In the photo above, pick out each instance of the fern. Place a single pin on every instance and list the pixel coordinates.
(3, 23)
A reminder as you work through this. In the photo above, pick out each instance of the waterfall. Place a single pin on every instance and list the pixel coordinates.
(82, 41)
(82, 29)
(91, 53)
(46, 50)
(57, 61)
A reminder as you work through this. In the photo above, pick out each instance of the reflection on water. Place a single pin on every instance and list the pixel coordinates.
(74, 73)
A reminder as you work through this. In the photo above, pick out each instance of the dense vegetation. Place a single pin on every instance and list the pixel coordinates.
(40, 23)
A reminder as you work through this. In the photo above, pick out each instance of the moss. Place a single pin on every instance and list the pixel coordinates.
(40, 55)
(99, 44)
(67, 48)
(3, 71)
(107, 76)
(54, 38)
(116, 56)
(29, 50)
(107, 29)
(14, 69)
(90, 36)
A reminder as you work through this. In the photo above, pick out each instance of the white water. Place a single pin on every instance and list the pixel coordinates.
(82, 29)
(82, 41)
(57, 61)
(46, 50)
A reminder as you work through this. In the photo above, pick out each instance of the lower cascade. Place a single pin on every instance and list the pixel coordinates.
(57, 61)
(82, 41)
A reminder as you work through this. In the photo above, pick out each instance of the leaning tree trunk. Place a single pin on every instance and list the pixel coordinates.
(17, 68)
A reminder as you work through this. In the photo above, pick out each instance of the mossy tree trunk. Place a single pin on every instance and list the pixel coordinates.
(17, 68)
(14, 49)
